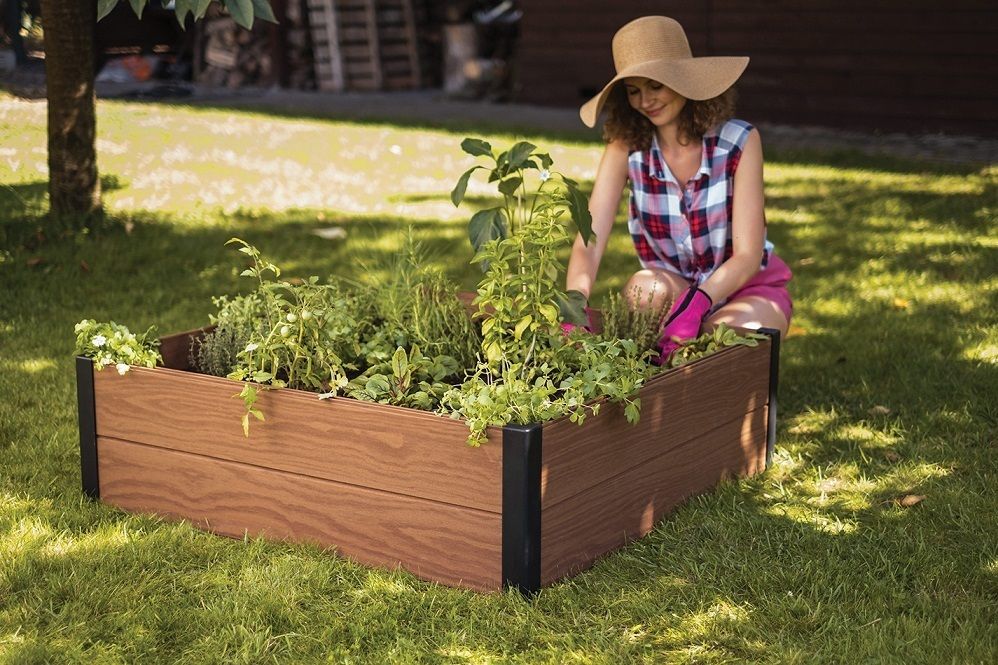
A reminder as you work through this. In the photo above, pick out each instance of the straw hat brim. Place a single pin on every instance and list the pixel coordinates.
(693, 78)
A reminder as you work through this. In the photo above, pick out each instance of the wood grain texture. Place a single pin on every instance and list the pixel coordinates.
(435, 541)
(371, 445)
(675, 407)
(605, 517)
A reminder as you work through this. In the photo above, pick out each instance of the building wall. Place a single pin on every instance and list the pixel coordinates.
(886, 65)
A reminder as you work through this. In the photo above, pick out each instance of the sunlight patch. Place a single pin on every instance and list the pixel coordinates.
(36, 365)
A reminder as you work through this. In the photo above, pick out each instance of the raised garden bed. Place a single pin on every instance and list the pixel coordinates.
(390, 486)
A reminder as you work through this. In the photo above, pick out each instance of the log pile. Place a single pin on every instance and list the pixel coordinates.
(230, 56)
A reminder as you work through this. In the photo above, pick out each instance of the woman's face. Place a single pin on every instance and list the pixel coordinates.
(653, 100)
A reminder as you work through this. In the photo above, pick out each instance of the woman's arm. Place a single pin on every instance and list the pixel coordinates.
(611, 176)
(748, 225)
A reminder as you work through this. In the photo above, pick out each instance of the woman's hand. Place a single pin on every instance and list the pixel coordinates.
(684, 321)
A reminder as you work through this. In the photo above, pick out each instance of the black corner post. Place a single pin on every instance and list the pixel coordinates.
(88, 426)
(774, 382)
(521, 507)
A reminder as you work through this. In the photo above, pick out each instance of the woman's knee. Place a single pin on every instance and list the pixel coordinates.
(752, 312)
(653, 288)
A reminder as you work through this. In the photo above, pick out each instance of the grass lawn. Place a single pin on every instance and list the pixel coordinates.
(889, 389)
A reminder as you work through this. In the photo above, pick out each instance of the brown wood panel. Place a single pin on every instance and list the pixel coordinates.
(675, 407)
(436, 541)
(575, 533)
(372, 445)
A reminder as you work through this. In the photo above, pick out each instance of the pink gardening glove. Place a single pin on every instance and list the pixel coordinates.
(683, 322)
(567, 327)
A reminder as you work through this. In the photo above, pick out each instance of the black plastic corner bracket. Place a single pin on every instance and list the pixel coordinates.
(774, 382)
(88, 426)
(521, 507)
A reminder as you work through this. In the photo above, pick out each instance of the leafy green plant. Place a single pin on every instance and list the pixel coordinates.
(416, 305)
(408, 379)
(309, 341)
(111, 343)
(711, 342)
(553, 195)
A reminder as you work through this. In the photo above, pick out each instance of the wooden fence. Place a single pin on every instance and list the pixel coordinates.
(887, 65)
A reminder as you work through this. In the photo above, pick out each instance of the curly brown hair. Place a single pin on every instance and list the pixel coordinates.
(695, 120)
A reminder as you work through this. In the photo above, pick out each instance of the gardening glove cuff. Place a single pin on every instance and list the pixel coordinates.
(684, 320)
(567, 327)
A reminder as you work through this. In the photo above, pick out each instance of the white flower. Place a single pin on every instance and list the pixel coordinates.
(99, 340)
(545, 175)
(122, 368)
(252, 347)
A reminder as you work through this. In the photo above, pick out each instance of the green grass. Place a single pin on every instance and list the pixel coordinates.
(815, 561)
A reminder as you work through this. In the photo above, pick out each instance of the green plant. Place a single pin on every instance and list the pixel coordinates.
(408, 379)
(629, 318)
(310, 338)
(113, 344)
(416, 305)
(711, 342)
(216, 352)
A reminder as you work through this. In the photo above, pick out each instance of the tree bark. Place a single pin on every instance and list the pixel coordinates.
(69, 25)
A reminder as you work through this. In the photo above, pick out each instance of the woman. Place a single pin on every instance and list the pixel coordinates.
(696, 206)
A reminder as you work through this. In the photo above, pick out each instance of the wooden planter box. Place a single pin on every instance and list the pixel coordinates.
(390, 486)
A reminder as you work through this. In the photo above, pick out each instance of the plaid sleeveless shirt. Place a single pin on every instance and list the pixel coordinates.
(686, 229)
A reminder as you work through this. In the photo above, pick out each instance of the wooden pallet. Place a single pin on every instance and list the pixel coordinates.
(365, 44)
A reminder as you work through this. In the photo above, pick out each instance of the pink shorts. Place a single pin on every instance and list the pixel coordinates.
(771, 284)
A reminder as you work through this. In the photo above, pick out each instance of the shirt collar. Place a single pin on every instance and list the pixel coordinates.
(660, 169)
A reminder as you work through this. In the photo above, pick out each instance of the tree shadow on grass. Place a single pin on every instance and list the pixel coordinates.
(791, 564)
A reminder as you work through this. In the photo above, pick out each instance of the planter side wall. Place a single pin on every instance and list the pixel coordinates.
(436, 541)
(609, 482)
(372, 445)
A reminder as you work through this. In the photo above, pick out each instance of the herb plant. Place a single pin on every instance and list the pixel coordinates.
(113, 344)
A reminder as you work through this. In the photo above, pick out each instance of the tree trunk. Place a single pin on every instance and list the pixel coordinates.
(69, 25)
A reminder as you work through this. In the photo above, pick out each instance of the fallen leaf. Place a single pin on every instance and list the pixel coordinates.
(35, 261)
(84, 265)
(901, 303)
(331, 233)
(909, 500)
(796, 331)
(891, 455)
(806, 261)
(320, 216)
(879, 410)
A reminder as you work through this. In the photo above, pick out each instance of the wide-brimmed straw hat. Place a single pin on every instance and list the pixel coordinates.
(656, 47)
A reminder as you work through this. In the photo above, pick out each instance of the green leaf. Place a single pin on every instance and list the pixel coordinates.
(138, 6)
(246, 425)
(486, 225)
(263, 11)
(522, 326)
(104, 7)
(400, 363)
(182, 9)
(457, 195)
(572, 306)
(200, 8)
(242, 12)
(578, 206)
(546, 160)
(476, 147)
(519, 153)
(258, 414)
(509, 187)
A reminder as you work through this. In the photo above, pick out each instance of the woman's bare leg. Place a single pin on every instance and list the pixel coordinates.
(750, 312)
(659, 286)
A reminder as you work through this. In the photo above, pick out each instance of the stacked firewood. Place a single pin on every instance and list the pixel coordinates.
(269, 54)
